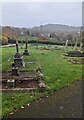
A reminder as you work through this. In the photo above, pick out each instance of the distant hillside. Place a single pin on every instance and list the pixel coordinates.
(55, 28)
(57, 31)
(48, 28)
(13, 32)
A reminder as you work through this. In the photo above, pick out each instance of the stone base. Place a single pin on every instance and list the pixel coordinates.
(26, 52)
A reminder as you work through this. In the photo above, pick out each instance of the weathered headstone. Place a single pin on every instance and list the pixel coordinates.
(10, 83)
(75, 46)
(18, 59)
(15, 71)
(66, 45)
(41, 86)
(26, 49)
(81, 45)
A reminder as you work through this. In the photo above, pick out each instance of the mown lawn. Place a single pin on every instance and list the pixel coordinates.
(58, 72)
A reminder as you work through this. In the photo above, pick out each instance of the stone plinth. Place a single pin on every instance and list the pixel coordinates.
(26, 52)
(18, 62)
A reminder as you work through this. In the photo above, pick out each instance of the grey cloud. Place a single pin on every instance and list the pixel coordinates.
(32, 14)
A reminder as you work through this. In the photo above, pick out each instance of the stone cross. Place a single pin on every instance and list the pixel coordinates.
(17, 50)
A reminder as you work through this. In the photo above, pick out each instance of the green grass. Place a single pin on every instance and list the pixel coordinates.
(26, 38)
(15, 100)
(58, 72)
(0, 104)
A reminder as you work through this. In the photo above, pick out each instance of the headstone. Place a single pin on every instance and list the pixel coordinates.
(10, 83)
(81, 45)
(15, 71)
(39, 74)
(41, 87)
(26, 50)
(18, 59)
(75, 46)
(66, 45)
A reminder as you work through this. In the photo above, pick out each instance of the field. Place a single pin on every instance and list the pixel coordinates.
(57, 70)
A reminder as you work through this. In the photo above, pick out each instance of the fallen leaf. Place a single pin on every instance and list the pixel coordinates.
(28, 105)
(22, 107)
(11, 113)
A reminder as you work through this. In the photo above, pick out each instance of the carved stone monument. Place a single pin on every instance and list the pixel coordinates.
(18, 59)
(26, 50)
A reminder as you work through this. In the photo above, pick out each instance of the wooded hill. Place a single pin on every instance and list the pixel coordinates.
(56, 31)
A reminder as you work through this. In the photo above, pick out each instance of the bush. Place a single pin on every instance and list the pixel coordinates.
(11, 41)
(3, 40)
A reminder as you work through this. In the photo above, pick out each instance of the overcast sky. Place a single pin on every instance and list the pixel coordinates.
(25, 14)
